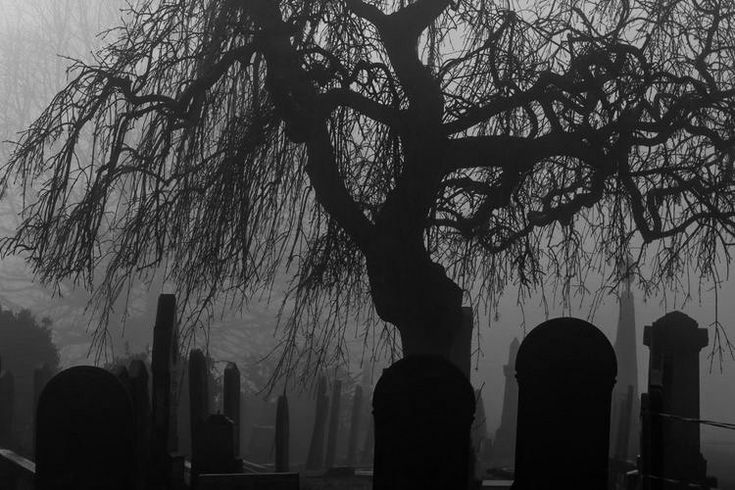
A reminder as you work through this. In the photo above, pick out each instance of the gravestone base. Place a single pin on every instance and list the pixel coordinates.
(423, 408)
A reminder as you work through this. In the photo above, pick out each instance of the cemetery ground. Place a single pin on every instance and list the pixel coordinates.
(131, 427)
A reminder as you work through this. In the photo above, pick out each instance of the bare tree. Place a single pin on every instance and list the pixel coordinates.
(398, 151)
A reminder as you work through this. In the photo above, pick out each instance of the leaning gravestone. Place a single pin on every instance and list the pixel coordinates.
(566, 371)
(85, 432)
(422, 408)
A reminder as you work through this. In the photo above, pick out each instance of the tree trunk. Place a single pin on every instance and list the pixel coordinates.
(424, 404)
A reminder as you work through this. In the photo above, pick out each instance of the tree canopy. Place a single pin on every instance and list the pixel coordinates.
(408, 152)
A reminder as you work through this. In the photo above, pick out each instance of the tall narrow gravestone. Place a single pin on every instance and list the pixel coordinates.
(675, 341)
(85, 433)
(566, 371)
(422, 408)
(334, 418)
(231, 400)
(199, 405)
(315, 458)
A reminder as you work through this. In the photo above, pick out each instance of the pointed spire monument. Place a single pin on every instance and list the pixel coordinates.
(625, 399)
(504, 446)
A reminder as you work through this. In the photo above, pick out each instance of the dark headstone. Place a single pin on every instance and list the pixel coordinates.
(231, 400)
(315, 459)
(217, 453)
(354, 426)
(675, 341)
(198, 403)
(334, 415)
(566, 371)
(163, 369)
(282, 435)
(85, 433)
(142, 414)
(422, 408)
(7, 406)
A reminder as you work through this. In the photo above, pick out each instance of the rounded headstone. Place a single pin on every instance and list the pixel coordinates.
(423, 408)
(566, 370)
(84, 432)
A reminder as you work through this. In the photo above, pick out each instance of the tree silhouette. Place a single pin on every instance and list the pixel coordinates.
(404, 152)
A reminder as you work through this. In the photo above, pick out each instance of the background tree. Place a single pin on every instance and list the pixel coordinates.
(407, 152)
(25, 344)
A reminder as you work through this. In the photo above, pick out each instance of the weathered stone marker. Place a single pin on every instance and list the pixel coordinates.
(315, 459)
(331, 455)
(198, 403)
(566, 371)
(282, 435)
(231, 400)
(422, 408)
(354, 426)
(85, 433)
(217, 453)
(675, 341)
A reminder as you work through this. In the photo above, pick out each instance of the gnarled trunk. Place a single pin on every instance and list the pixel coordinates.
(424, 404)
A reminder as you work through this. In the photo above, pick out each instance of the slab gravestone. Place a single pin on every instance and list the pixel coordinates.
(331, 455)
(198, 405)
(422, 409)
(315, 459)
(85, 432)
(675, 341)
(566, 371)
